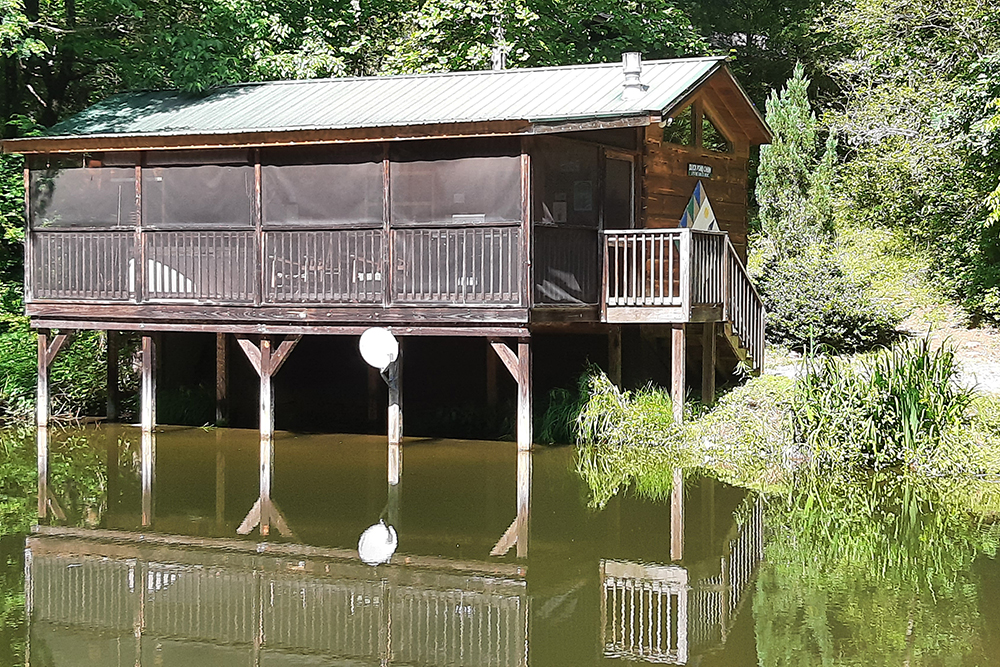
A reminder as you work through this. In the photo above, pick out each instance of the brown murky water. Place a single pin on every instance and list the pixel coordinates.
(569, 586)
(497, 560)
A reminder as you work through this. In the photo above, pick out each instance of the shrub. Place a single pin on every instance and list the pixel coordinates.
(810, 301)
(894, 409)
(78, 375)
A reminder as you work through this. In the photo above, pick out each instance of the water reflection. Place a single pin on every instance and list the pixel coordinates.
(880, 569)
(595, 585)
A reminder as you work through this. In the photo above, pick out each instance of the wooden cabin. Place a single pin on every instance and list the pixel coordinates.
(493, 204)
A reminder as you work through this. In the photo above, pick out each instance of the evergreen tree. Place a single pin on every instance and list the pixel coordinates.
(794, 184)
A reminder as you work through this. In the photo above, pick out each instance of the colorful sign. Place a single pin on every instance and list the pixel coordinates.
(699, 213)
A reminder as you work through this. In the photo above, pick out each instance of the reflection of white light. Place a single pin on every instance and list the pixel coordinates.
(377, 544)
(379, 347)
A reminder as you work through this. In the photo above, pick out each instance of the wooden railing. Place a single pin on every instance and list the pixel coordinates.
(685, 271)
(643, 267)
(458, 266)
(442, 266)
(306, 266)
(743, 308)
(82, 265)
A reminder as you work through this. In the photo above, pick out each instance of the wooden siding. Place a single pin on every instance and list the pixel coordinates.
(666, 186)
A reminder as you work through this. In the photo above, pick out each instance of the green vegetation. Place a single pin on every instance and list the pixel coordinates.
(899, 408)
(78, 380)
(875, 569)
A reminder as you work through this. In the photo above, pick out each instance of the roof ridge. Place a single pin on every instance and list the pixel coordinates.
(420, 75)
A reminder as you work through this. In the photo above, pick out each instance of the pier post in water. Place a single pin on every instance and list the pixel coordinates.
(267, 360)
(48, 348)
(519, 366)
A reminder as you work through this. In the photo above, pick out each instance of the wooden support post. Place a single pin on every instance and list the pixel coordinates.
(266, 434)
(112, 339)
(677, 516)
(519, 366)
(267, 361)
(678, 363)
(615, 356)
(708, 357)
(48, 348)
(221, 379)
(524, 435)
(42, 413)
(393, 378)
(147, 392)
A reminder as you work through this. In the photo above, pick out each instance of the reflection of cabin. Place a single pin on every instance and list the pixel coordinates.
(495, 204)
(665, 613)
(171, 600)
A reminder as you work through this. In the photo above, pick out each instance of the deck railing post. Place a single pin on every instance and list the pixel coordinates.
(685, 277)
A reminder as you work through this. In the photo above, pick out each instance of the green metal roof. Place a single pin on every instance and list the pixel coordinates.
(535, 95)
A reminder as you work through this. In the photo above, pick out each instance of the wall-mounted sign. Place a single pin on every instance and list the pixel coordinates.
(699, 170)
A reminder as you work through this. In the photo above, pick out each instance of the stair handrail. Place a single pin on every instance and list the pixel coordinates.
(748, 328)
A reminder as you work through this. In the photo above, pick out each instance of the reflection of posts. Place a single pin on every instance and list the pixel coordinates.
(517, 532)
(677, 516)
(47, 352)
(267, 363)
(148, 475)
(380, 350)
(147, 419)
(391, 375)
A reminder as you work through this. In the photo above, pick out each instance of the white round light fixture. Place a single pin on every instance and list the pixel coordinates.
(379, 347)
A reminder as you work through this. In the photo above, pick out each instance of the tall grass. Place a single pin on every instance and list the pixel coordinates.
(894, 408)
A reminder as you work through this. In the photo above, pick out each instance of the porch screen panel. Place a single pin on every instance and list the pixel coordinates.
(195, 196)
(565, 183)
(467, 265)
(456, 182)
(82, 197)
(82, 265)
(203, 266)
(321, 187)
(310, 266)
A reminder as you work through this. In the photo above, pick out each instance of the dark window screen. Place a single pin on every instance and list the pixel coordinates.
(195, 196)
(320, 194)
(468, 182)
(679, 129)
(566, 184)
(102, 197)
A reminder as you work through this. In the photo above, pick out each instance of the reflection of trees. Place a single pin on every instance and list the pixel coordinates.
(874, 570)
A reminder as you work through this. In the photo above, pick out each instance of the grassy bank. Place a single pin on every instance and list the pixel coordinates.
(900, 408)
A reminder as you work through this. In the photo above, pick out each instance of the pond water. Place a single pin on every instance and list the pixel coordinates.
(499, 559)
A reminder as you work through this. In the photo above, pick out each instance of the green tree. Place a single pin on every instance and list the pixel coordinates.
(794, 181)
(918, 80)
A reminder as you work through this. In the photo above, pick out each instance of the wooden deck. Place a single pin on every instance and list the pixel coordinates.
(471, 280)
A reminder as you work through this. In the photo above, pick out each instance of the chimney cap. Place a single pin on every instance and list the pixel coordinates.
(632, 67)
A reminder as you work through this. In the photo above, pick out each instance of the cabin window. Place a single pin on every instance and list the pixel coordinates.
(680, 128)
(197, 188)
(565, 182)
(711, 138)
(322, 185)
(80, 191)
(456, 182)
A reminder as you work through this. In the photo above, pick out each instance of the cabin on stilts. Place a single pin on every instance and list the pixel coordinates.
(502, 205)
